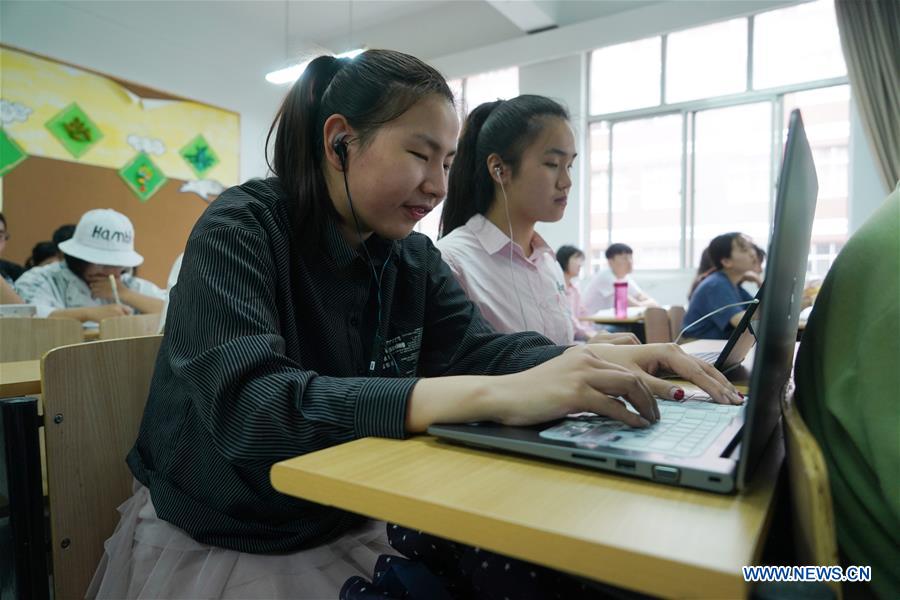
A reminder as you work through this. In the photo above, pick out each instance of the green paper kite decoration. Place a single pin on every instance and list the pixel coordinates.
(74, 130)
(11, 153)
(142, 176)
(199, 156)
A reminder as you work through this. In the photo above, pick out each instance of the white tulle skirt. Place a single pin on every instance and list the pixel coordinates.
(147, 557)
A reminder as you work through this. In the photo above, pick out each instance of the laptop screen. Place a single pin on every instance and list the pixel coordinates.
(795, 207)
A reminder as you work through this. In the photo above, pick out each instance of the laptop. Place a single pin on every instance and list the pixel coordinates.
(739, 343)
(697, 444)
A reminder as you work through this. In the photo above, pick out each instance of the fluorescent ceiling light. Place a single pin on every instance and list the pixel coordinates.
(292, 73)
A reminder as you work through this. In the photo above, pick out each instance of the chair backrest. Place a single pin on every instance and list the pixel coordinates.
(676, 320)
(815, 542)
(30, 338)
(94, 397)
(130, 326)
(656, 326)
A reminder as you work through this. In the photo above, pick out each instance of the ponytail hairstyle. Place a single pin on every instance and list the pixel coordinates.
(504, 127)
(369, 90)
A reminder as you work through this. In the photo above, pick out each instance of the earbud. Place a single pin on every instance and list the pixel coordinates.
(498, 171)
(339, 145)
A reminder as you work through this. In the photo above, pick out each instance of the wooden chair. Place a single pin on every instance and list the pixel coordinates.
(812, 511)
(130, 326)
(656, 326)
(94, 397)
(30, 338)
(676, 320)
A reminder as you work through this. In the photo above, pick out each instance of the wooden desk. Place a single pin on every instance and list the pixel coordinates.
(659, 540)
(655, 539)
(91, 334)
(607, 320)
(21, 378)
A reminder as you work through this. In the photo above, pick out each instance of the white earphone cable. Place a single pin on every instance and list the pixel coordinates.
(512, 273)
(709, 314)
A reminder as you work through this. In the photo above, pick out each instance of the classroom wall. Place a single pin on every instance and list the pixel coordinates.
(191, 54)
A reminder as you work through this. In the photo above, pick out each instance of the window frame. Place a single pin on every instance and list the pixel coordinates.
(688, 111)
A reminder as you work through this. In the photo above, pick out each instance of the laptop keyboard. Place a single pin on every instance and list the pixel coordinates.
(685, 429)
(708, 357)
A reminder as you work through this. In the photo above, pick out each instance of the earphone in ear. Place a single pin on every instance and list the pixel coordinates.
(339, 145)
(498, 171)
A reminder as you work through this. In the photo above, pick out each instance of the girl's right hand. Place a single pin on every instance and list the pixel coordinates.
(576, 381)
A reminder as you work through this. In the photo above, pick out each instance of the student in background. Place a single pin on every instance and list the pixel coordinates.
(847, 392)
(62, 233)
(760, 260)
(733, 257)
(79, 286)
(42, 254)
(571, 260)
(9, 271)
(307, 314)
(512, 171)
(599, 292)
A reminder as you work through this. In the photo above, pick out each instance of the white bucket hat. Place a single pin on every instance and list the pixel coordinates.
(104, 237)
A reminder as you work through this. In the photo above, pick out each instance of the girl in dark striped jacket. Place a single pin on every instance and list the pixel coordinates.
(307, 314)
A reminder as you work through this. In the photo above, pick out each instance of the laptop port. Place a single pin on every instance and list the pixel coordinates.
(589, 457)
(666, 474)
(626, 465)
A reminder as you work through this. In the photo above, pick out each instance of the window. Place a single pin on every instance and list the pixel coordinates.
(625, 76)
(732, 174)
(796, 44)
(706, 61)
(670, 173)
(826, 118)
(490, 86)
(646, 190)
(599, 204)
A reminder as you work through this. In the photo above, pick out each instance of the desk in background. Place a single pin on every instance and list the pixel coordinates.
(635, 534)
(21, 378)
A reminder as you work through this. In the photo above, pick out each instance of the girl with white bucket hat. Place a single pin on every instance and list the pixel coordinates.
(94, 280)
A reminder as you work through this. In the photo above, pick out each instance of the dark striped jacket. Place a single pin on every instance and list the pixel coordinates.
(265, 356)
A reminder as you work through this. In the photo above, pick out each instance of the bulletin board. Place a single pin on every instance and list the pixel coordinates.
(73, 140)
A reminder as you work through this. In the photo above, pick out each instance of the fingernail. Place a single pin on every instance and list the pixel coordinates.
(741, 395)
(677, 393)
(645, 422)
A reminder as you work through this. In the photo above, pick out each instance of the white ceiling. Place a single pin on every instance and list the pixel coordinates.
(425, 28)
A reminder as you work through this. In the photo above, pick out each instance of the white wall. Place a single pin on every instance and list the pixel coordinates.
(189, 55)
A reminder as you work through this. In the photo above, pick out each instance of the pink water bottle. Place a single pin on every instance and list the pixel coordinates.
(621, 299)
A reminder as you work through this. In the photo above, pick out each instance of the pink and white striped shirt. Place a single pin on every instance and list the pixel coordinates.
(478, 254)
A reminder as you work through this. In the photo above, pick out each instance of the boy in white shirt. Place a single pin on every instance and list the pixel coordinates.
(599, 292)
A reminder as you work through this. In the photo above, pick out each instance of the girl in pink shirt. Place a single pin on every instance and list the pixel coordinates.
(512, 170)
(570, 260)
